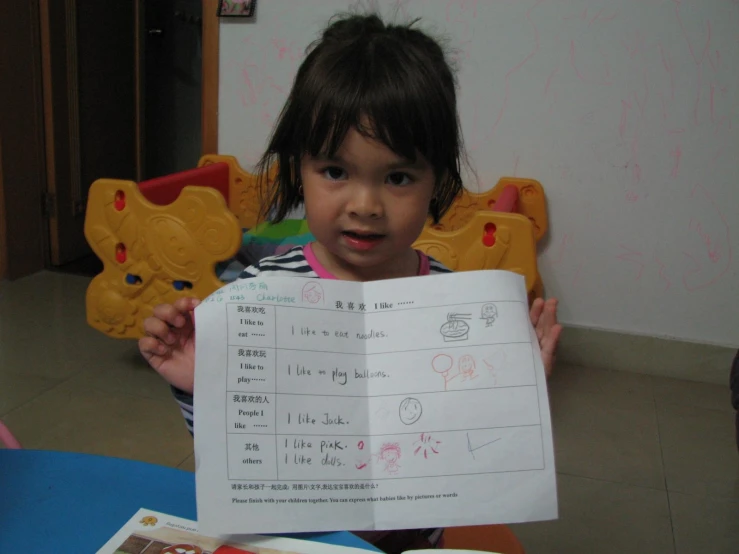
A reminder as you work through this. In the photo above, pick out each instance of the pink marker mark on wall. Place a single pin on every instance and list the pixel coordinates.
(677, 153)
(710, 263)
(634, 257)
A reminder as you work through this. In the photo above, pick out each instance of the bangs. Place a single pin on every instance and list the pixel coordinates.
(396, 103)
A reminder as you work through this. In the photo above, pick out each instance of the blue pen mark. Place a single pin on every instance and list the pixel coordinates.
(472, 450)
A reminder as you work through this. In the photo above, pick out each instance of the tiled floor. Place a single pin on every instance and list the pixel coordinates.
(645, 464)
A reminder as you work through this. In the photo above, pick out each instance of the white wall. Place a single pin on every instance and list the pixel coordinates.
(627, 111)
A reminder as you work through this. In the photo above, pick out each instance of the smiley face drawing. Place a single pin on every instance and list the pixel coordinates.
(410, 410)
(312, 293)
(489, 313)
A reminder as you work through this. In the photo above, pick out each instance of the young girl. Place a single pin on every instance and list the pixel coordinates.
(369, 143)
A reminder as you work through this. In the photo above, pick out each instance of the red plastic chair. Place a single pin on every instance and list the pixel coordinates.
(7, 438)
(487, 538)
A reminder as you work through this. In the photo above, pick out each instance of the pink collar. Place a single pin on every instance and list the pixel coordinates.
(424, 267)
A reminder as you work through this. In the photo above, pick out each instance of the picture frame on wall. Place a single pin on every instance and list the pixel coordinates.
(236, 8)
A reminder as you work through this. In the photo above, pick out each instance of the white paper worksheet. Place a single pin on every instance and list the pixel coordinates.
(326, 405)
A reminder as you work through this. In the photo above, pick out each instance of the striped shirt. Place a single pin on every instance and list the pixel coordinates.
(296, 262)
(302, 262)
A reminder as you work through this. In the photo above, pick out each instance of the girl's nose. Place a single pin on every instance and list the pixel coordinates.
(366, 202)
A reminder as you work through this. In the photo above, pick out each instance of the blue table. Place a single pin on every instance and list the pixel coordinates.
(67, 502)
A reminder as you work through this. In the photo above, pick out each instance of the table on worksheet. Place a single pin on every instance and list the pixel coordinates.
(291, 417)
(335, 392)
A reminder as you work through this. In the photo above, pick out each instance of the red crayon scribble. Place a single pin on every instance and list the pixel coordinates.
(516, 67)
(642, 103)
(632, 196)
(687, 37)
(597, 17)
(577, 274)
(633, 49)
(724, 119)
(361, 466)
(580, 75)
(664, 107)
(630, 256)
(250, 96)
(712, 247)
(677, 154)
(712, 93)
(713, 254)
(475, 141)
(282, 49)
(401, 5)
(464, 7)
(698, 96)
(625, 107)
(516, 159)
(662, 268)
(561, 251)
(635, 167)
(606, 18)
(549, 80)
(667, 63)
(582, 15)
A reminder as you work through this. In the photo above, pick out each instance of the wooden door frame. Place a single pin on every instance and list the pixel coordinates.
(23, 239)
(210, 76)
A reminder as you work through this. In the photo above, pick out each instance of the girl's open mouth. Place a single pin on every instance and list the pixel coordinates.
(362, 241)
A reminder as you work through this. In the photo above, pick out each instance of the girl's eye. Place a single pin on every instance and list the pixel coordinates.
(334, 173)
(399, 179)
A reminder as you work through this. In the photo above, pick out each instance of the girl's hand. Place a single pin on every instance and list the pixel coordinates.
(169, 346)
(544, 319)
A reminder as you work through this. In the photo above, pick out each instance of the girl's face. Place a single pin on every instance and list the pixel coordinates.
(366, 207)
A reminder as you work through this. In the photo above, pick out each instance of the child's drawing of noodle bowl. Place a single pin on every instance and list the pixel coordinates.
(455, 329)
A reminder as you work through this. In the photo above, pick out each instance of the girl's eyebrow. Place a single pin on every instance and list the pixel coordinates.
(401, 163)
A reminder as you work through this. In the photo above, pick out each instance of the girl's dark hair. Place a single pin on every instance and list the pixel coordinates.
(389, 82)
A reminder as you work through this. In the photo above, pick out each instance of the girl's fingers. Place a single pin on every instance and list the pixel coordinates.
(169, 315)
(153, 350)
(549, 348)
(157, 328)
(176, 314)
(536, 309)
(186, 305)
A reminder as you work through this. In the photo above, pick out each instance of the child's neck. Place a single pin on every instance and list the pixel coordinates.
(405, 265)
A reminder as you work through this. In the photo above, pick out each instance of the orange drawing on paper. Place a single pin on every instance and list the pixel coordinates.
(467, 367)
(443, 364)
